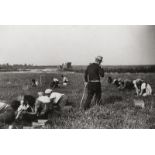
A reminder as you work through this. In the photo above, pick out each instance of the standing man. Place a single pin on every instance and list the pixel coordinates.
(92, 81)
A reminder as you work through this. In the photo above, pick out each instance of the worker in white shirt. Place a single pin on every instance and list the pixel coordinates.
(64, 80)
(58, 99)
(42, 105)
(137, 85)
(142, 88)
(146, 89)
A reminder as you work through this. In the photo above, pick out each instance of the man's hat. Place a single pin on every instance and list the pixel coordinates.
(99, 58)
(48, 91)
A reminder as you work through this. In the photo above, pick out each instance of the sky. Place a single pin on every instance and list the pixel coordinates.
(53, 45)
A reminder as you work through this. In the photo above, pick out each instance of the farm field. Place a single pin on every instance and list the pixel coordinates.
(117, 110)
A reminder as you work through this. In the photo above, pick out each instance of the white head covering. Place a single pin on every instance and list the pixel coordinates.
(48, 91)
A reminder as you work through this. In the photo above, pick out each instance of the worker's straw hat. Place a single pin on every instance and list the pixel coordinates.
(48, 91)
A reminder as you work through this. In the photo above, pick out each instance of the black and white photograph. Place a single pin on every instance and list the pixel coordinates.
(77, 76)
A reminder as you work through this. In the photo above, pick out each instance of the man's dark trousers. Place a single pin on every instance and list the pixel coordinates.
(93, 88)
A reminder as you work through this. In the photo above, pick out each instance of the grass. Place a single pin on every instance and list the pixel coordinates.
(117, 110)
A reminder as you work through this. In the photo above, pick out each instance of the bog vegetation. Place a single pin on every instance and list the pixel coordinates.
(117, 110)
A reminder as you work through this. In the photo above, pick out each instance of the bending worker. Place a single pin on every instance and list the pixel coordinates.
(142, 88)
(92, 81)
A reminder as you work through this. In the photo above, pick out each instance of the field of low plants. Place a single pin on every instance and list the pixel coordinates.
(117, 110)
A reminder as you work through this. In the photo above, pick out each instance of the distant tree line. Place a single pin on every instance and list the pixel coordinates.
(21, 67)
(122, 69)
(81, 69)
(15, 67)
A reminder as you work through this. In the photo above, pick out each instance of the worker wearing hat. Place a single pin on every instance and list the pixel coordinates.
(92, 81)
(43, 104)
(48, 92)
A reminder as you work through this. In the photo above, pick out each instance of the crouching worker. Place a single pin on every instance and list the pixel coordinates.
(142, 88)
(35, 83)
(121, 84)
(137, 85)
(126, 85)
(42, 107)
(27, 103)
(54, 83)
(118, 82)
(8, 112)
(146, 89)
(58, 100)
(64, 80)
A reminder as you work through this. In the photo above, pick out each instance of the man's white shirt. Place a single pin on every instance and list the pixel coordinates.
(43, 99)
(147, 88)
(56, 96)
(65, 79)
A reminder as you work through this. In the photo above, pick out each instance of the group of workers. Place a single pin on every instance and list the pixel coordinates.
(92, 77)
(55, 83)
(142, 87)
(41, 107)
(27, 108)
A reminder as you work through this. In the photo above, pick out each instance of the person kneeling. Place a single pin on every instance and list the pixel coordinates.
(59, 100)
(142, 88)
(42, 107)
(8, 112)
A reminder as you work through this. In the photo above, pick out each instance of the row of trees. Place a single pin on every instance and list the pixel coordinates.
(122, 69)
(119, 69)
(8, 67)
(131, 69)
(18, 67)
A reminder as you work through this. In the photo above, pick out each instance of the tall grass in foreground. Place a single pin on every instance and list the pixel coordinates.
(117, 110)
